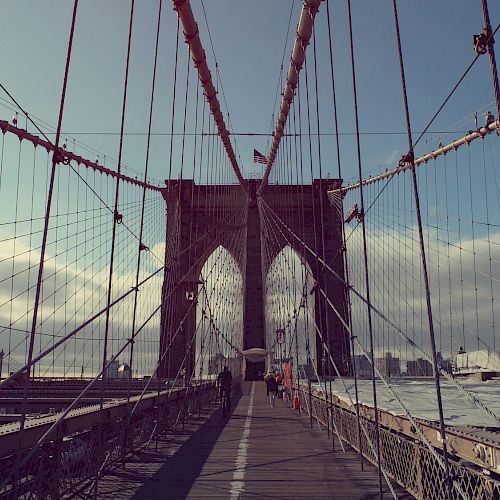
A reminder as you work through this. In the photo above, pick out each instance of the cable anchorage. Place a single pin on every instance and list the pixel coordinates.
(407, 160)
(354, 213)
(481, 42)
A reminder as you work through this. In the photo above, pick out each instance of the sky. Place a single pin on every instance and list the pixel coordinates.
(250, 42)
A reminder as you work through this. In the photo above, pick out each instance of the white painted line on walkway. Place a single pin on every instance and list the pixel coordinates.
(238, 483)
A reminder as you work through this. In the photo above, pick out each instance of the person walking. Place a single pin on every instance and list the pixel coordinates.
(272, 389)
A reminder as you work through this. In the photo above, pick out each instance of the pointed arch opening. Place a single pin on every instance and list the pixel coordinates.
(289, 311)
(219, 315)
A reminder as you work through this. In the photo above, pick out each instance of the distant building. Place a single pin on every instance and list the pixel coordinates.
(485, 361)
(304, 369)
(388, 366)
(112, 370)
(216, 364)
(445, 364)
(124, 372)
(419, 368)
(1, 362)
(363, 366)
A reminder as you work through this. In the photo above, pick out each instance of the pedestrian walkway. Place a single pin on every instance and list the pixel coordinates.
(259, 452)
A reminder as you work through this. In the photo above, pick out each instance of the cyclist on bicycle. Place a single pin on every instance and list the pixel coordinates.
(224, 381)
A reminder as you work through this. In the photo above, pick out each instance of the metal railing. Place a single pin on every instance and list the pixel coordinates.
(405, 460)
(84, 448)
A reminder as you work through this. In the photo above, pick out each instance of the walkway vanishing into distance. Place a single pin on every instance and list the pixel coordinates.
(259, 452)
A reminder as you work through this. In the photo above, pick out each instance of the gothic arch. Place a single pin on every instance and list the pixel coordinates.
(242, 236)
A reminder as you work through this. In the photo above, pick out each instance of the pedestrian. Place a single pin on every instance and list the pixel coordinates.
(272, 389)
(279, 381)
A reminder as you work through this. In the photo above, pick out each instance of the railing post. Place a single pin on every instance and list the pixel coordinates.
(419, 475)
(50, 477)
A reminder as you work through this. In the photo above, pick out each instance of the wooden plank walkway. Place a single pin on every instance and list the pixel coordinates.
(260, 452)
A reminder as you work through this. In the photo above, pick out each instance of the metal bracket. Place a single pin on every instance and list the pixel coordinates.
(60, 157)
(480, 42)
(353, 212)
(118, 217)
(488, 119)
(143, 247)
(407, 159)
(191, 37)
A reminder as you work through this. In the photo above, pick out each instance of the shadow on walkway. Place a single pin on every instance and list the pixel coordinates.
(176, 477)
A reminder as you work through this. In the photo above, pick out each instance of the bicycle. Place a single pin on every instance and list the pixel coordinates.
(225, 402)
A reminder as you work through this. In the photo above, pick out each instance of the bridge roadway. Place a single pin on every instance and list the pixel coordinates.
(259, 452)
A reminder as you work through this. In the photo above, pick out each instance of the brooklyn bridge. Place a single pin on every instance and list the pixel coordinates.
(348, 276)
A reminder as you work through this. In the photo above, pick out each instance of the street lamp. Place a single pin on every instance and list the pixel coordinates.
(280, 339)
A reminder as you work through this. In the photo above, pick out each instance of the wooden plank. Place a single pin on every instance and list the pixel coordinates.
(284, 459)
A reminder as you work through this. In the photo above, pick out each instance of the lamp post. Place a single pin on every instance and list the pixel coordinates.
(280, 339)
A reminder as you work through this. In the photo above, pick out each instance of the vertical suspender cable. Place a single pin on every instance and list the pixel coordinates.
(181, 207)
(303, 221)
(322, 200)
(317, 298)
(56, 158)
(141, 245)
(365, 252)
(346, 267)
(488, 232)
(174, 90)
(186, 100)
(165, 326)
(304, 31)
(410, 157)
(116, 216)
(491, 52)
(300, 225)
(190, 28)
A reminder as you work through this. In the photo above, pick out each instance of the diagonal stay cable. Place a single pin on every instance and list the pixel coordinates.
(61, 151)
(217, 69)
(379, 313)
(403, 164)
(389, 387)
(192, 36)
(304, 31)
(103, 310)
(365, 432)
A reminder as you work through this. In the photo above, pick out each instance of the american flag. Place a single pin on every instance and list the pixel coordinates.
(259, 157)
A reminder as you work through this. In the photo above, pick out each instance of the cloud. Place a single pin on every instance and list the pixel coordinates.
(462, 283)
(74, 289)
